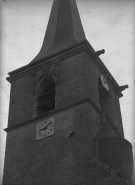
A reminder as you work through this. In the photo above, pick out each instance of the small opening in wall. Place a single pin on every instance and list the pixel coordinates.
(71, 134)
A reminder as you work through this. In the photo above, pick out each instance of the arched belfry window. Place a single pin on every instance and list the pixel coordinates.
(103, 94)
(46, 96)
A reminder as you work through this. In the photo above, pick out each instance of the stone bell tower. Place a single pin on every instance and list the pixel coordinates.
(65, 125)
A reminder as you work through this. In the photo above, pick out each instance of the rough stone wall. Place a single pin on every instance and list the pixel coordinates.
(21, 101)
(58, 159)
(76, 79)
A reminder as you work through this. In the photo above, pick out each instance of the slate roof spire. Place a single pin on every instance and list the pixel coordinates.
(64, 29)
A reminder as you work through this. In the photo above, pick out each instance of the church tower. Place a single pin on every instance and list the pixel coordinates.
(65, 125)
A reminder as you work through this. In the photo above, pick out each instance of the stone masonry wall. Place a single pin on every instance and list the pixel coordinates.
(21, 101)
(58, 159)
(77, 80)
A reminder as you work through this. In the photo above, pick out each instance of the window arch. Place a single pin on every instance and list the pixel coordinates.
(103, 97)
(46, 96)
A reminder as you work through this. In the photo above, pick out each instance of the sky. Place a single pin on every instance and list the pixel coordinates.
(108, 24)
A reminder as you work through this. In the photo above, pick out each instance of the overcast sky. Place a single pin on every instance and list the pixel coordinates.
(108, 24)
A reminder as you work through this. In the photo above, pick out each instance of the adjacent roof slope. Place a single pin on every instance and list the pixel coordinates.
(64, 29)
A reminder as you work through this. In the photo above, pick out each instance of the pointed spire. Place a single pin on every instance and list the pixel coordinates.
(64, 29)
